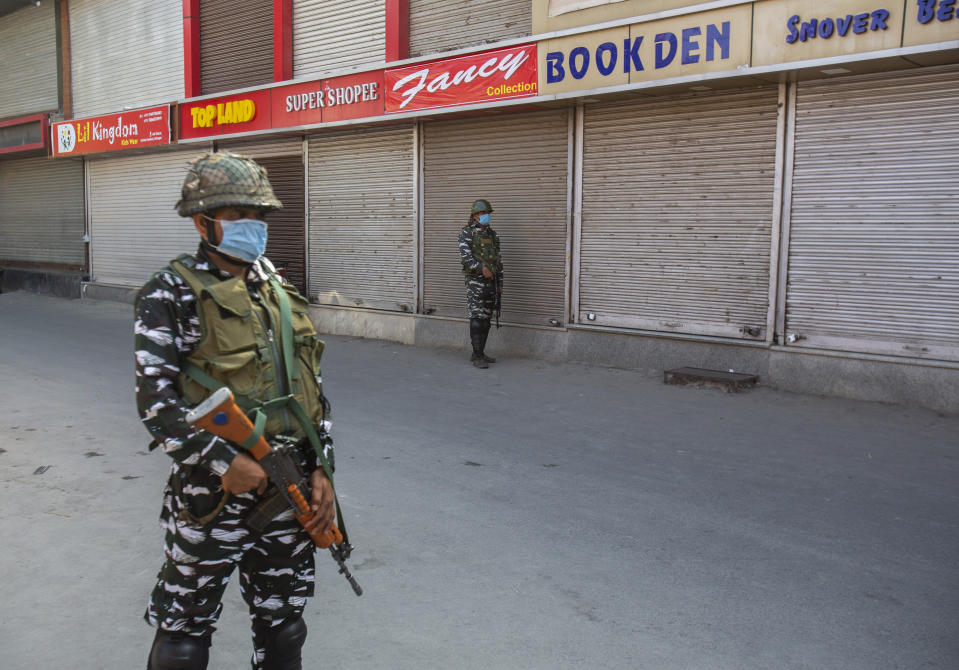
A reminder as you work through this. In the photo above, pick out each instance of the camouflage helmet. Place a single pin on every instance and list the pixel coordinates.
(224, 179)
(481, 205)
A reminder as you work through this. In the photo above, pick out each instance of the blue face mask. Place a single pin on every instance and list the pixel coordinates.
(483, 219)
(244, 239)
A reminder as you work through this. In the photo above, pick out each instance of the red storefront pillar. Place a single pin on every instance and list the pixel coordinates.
(397, 30)
(191, 48)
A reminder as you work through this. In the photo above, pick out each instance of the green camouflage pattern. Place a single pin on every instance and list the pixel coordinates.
(224, 179)
(479, 247)
(481, 205)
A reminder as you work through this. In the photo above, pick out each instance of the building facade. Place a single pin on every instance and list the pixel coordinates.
(766, 186)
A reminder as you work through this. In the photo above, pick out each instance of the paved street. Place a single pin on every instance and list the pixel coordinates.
(530, 516)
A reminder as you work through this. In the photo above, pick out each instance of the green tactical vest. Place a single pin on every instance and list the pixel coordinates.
(242, 347)
(484, 246)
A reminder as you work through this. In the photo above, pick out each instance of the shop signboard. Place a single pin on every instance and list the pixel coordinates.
(288, 106)
(931, 21)
(789, 31)
(351, 96)
(136, 129)
(690, 44)
(489, 76)
(225, 115)
(27, 133)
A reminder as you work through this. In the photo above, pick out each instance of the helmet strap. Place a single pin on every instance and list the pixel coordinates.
(210, 231)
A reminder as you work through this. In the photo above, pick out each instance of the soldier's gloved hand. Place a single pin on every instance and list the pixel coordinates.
(487, 272)
(245, 474)
(321, 502)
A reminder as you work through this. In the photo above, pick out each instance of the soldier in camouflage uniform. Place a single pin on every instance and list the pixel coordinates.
(483, 268)
(202, 322)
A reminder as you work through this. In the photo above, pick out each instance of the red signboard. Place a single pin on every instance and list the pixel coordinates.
(352, 96)
(114, 132)
(500, 74)
(225, 115)
(483, 77)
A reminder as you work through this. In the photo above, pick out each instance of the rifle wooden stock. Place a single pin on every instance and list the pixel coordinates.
(219, 414)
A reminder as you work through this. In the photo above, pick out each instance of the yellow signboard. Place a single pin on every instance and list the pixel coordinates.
(789, 31)
(931, 21)
(550, 15)
(691, 44)
(582, 62)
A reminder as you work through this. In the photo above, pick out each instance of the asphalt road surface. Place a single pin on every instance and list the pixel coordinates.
(533, 515)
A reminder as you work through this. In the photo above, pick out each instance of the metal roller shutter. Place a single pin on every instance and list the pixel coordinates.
(446, 25)
(283, 159)
(286, 146)
(874, 223)
(135, 230)
(519, 162)
(226, 25)
(286, 244)
(41, 220)
(143, 61)
(337, 34)
(363, 219)
(29, 36)
(677, 213)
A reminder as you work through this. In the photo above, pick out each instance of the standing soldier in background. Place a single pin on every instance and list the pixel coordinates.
(223, 317)
(483, 267)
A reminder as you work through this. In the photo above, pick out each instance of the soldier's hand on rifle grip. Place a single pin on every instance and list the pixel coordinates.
(245, 474)
(487, 272)
(321, 501)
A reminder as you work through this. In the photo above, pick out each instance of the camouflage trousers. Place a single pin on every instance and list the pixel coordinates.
(480, 298)
(276, 566)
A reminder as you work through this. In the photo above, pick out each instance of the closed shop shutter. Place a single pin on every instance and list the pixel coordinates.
(28, 38)
(363, 219)
(337, 34)
(257, 149)
(125, 56)
(446, 25)
(286, 244)
(134, 228)
(874, 223)
(41, 220)
(519, 162)
(236, 44)
(677, 212)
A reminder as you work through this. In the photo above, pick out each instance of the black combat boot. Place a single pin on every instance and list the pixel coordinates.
(485, 333)
(284, 645)
(178, 651)
(477, 339)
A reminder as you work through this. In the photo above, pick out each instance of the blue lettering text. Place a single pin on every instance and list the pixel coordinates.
(690, 45)
(554, 67)
(860, 23)
(946, 9)
(631, 54)
(800, 31)
(714, 37)
(607, 67)
(665, 58)
(583, 54)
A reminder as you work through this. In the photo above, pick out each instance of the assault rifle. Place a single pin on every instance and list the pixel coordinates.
(220, 415)
(497, 298)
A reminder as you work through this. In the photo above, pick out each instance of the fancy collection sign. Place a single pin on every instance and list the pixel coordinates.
(475, 78)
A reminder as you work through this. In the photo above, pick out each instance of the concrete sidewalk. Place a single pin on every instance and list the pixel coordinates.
(527, 516)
